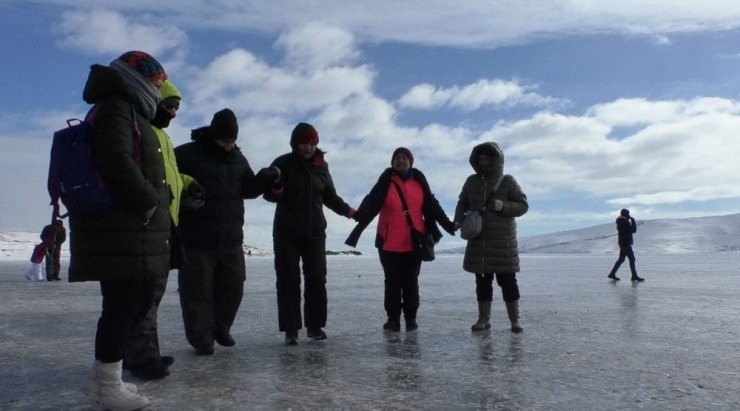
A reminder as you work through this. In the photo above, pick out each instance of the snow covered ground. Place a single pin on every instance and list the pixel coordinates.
(670, 343)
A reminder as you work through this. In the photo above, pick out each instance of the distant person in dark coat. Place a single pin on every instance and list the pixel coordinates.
(211, 284)
(401, 265)
(53, 235)
(495, 252)
(299, 233)
(626, 226)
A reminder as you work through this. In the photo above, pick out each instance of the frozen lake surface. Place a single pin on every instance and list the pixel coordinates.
(672, 342)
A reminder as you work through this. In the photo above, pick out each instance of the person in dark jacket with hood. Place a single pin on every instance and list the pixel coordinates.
(401, 265)
(495, 252)
(53, 235)
(626, 226)
(125, 247)
(211, 284)
(299, 233)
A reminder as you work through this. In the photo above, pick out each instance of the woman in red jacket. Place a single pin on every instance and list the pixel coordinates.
(393, 240)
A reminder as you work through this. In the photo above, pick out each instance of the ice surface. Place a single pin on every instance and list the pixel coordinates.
(672, 342)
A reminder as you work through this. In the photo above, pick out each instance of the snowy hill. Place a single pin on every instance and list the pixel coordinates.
(665, 236)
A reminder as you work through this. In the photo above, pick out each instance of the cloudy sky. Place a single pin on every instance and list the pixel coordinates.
(598, 105)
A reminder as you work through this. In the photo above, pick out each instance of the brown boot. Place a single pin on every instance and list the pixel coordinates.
(484, 317)
(512, 309)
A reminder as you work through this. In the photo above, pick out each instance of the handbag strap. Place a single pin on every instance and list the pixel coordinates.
(406, 211)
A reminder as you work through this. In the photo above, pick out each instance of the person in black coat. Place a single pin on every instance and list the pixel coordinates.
(626, 226)
(53, 235)
(211, 284)
(299, 233)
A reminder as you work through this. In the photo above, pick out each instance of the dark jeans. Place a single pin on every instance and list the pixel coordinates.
(53, 262)
(123, 303)
(211, 288)
(142, 346)
(625, 251)
(289, 253)
(507, 282)
(401, 284)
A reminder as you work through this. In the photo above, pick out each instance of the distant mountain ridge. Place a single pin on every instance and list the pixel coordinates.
(662, 236)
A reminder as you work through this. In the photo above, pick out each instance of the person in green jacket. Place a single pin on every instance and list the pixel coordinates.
(143, 356)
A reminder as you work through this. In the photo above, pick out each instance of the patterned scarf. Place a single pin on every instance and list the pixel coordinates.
(146, 94)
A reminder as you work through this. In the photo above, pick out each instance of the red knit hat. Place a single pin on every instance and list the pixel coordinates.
(405, 151)
(304, 133)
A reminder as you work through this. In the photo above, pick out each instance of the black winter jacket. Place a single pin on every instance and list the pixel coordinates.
(626, 226)
(119, 244)
(306, 187)
(227, 179)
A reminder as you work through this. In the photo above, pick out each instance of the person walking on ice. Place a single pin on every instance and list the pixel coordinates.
(626, 226)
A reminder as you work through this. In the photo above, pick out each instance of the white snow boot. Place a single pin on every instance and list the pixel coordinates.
(512, 309)
(112, 394)
(484, 317)
(91, 388)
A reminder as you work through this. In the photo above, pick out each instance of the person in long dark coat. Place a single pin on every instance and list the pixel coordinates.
(126, 246)
(299, 233)
(495, 252)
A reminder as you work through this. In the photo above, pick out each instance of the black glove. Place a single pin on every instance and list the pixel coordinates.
(193, 197)
(449, 226)
(269, 175)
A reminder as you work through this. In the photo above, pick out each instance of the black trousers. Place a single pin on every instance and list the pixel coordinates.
(507, 282)
(142, 345)
(211, 288)
(53, 262)
(625, 251)
(123, 303)
(401, 284)
(289, 253)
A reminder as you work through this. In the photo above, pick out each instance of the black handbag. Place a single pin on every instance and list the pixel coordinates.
(423, 242)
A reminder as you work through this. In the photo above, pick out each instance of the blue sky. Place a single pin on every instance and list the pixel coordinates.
(597, 106)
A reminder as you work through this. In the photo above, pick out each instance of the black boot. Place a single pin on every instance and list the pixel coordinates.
(393, 324)
(291, 337)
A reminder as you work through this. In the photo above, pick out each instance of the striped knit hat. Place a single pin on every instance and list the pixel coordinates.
(145, 64)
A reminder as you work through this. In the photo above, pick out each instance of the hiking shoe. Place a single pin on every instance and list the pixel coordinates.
(291, 338)
(636, 278)
(612, 277)
(392, 325)
(316, 333)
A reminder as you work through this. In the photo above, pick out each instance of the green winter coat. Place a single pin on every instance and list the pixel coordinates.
(119, 244)
(496, 249)
(176, 181)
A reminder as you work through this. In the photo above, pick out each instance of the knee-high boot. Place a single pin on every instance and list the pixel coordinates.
(484, 316)
(512, 308)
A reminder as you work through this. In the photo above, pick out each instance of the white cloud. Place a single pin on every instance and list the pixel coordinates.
(474, 23)
(472, 97)
(100, 31)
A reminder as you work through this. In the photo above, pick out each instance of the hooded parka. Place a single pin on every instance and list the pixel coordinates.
(120, 244)
(495, 250)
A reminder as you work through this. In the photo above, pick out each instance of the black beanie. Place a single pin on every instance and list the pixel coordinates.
(625, 212)
(224, 125)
